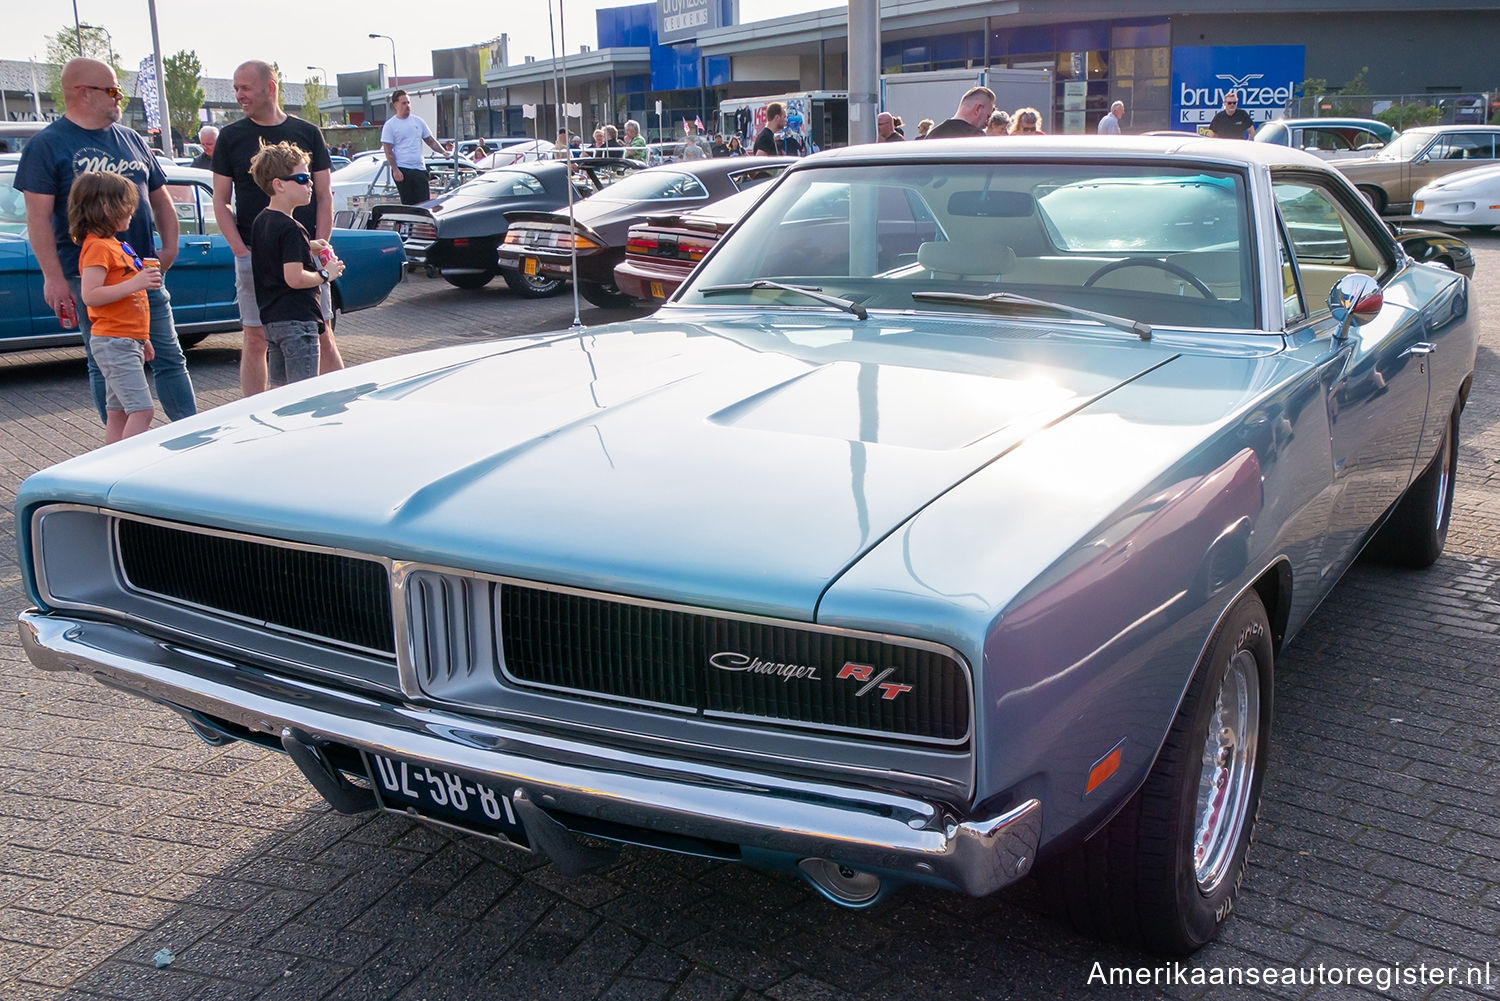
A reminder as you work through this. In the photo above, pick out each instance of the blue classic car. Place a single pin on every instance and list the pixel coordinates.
(946, 524)
(201, 281)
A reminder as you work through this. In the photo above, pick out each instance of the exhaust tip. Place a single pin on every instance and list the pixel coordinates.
(841, 884)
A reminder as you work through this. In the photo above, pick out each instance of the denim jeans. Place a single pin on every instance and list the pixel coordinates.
(174, 387)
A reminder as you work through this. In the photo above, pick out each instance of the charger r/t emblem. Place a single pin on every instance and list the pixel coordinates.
(889, 690)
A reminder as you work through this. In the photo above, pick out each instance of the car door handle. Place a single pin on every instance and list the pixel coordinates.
(205, 245)
(1421, 349)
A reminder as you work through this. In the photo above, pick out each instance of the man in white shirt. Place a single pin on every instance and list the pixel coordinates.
(402, 138)
(1109, 125)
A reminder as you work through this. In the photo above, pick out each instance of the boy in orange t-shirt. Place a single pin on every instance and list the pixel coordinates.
(114, 290)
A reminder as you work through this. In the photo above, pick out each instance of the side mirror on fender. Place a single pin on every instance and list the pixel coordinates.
(1354, 300)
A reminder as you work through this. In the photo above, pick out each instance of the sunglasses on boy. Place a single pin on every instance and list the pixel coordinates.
(297, 178)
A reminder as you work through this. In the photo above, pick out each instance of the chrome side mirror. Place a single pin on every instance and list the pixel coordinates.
(1354, 300)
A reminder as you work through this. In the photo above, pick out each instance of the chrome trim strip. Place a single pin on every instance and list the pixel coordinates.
(401, 571)
(859, 827)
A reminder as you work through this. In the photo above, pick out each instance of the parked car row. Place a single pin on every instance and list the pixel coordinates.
(1417, 157)
(201, 282)
(546, 244)
(457, 234)
(944, 526)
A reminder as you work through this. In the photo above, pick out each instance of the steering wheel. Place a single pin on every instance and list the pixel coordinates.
(1151, 262)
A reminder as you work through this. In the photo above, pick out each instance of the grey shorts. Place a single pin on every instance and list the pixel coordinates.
(244, 291)
(291, 350)
(244, 294)
(122, 360)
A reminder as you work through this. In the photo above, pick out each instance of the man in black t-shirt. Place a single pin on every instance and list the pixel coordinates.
(765, 142)
(266, 123)
(972, 115)
(1233, 122)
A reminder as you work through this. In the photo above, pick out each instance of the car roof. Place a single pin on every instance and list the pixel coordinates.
(1439, 129)
(1188, 147)
(1337, 123)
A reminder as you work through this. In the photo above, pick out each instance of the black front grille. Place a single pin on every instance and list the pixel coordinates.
(339, 598)
(728, 666)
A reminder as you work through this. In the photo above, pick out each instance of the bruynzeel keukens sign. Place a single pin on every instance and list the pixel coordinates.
(1264, 76)
(682, 20)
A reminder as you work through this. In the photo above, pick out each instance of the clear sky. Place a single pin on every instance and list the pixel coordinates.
(333, 34)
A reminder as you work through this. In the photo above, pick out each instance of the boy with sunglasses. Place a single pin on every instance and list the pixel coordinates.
(289, 268)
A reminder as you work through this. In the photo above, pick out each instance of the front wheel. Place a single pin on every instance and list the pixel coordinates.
(1164, 873)
(531, 286)
(604, 295)
(1375, 196)
(1416, 532)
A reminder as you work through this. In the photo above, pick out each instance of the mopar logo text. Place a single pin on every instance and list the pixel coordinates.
(728, 660)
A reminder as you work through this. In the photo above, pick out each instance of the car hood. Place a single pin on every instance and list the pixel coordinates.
(731, 464)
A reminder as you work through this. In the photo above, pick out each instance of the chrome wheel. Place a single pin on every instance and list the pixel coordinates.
(1445, 482)
(1228, 772)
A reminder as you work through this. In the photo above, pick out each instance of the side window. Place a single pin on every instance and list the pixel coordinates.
(1327, 242)
(750, 178)
(1463, 146)
(188, 208)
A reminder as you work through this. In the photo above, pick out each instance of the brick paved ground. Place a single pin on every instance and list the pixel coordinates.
(121, 835)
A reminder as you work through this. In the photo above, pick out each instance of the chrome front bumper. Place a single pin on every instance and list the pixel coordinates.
(859, 828)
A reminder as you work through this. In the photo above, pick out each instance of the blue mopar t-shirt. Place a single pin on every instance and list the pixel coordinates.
(60, 152)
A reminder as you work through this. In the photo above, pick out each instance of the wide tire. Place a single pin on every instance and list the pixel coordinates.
(1164, 873)
(531, 286)
(1375, 196)
(470, 281)
(605, 296)
(1416, 532)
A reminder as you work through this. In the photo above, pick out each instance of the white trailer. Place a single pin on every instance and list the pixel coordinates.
(935, 94)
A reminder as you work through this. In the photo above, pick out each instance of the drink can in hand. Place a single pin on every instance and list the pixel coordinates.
(324, 256)
(151, 262)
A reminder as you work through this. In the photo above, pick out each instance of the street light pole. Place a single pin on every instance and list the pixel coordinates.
(109, 39)
(323, 79)
(388, 38)
(77, 30)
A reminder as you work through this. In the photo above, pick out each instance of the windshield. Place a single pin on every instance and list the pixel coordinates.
(1405, 146)
(643, 185)
(1160, 244)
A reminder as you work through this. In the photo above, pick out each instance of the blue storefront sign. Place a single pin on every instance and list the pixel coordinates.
(1264, 76)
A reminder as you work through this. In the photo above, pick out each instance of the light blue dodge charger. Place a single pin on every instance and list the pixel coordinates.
(945, 525)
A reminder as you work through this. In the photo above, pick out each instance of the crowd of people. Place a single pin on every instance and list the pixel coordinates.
(104, 231)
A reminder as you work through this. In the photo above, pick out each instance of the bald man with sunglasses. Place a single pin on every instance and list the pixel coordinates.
(88, 137)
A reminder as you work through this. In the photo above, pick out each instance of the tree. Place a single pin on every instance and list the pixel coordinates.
(64, 46)
(313, 91)
(184, 92)
(1318, 91)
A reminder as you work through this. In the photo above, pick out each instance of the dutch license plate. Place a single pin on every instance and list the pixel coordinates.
(656, 291)
(528, 265)
(406, 787)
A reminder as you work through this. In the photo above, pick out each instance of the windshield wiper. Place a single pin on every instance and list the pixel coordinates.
(1141, 330)
(811, 291)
